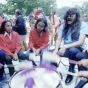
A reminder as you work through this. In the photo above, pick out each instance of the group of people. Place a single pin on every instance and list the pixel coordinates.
(73, 32)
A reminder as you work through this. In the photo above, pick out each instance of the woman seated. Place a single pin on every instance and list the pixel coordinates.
(39, 38)
(10, 44)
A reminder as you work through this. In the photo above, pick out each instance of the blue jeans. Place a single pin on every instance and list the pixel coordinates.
(71, 54)
(8, 60)
(81, 84)
(2, 61)
(41, 54)
(80, 56)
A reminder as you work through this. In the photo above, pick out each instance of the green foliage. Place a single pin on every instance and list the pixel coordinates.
(62, 11)
(83, 10)
(27, 6)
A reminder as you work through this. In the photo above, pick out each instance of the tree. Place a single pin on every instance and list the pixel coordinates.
(27, 6)
(61, 11)
(1, 10)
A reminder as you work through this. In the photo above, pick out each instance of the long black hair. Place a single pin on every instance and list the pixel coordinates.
(44, 21)
(75, 25)
(2, 29)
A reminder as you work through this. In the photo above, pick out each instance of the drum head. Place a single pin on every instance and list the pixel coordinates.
(43, 78)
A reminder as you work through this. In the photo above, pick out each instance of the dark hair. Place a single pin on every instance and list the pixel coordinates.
(54, 11)
(30, 16)
(75, 25)
(2, 29)
(44, 21)
(18, 11)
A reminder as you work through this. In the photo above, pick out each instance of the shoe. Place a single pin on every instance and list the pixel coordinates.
(68, 79)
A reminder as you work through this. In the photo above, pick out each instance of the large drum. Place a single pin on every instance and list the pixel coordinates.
(43, 78)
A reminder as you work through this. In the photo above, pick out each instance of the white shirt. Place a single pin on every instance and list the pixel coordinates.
(8, 35)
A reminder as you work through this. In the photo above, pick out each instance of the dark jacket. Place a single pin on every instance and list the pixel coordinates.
(20, 27)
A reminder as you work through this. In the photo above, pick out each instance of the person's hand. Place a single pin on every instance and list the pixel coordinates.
(86, 50)
(62, 51)
(15, 56)
(83, 75)
(55, 51)
(37, 52)
(1, 65)
(83, 62)
(34, 50)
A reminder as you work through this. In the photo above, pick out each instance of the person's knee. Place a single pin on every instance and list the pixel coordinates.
(81, 55)
(21, 55)
(73, 50)
(2, 54)
(8, 59)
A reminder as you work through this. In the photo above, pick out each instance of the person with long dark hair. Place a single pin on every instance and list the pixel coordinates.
(39, 38)
(73, 32)
(10, 44)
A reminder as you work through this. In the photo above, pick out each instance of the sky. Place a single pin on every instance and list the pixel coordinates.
(60, 3)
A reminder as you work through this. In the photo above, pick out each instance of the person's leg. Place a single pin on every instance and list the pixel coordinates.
(27, 54)
(2, 61)
(49, 62)
(71, 54)
(81, 84)
(25, 45)
(8, 61)
(80, 56)
(27, 57)
(21, 55)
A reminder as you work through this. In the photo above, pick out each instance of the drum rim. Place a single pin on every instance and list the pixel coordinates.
(59, 74)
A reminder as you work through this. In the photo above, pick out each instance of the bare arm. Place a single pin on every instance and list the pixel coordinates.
(77, 43)
(57, 44)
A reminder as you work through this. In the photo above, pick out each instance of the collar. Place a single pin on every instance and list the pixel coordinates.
(6, 34)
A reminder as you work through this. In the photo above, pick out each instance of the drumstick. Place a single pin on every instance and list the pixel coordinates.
(67, 72)
(73, 62)
(55, 58)
(32, 56)
(50, 56)
(22, 65)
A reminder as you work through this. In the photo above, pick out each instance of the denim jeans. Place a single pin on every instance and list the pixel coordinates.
(81, 84)
(8, 60)
(2, 61)
(41, 54)
(71, 54)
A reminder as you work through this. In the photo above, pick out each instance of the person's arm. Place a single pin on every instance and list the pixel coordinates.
(83, 75)
(58, 40)
(31, 41)
(83, 62)
(18, 44)
(4, 47)
(77, 43)
(46, 41)
(57, 44)
(19, 23)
